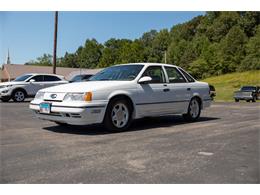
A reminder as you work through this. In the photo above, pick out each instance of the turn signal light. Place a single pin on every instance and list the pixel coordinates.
(88, 96)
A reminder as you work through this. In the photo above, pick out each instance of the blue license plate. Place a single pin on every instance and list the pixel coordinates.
(45, 108)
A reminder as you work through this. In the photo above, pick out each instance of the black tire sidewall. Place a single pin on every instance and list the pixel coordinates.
(188, 116)
(108, 120)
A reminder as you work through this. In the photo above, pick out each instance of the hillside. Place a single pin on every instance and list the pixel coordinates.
(226, 84)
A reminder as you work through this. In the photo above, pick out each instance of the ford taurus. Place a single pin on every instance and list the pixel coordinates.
(119, 94)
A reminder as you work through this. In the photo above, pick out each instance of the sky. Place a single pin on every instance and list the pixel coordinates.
(29, 35)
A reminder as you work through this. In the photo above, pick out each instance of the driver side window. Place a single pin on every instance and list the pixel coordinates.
(156, 73)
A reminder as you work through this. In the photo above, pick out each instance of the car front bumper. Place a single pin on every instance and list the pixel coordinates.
(238, 97)
(5, 93)
(74, 114)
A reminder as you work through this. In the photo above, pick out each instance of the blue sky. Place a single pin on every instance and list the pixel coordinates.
(29, 35)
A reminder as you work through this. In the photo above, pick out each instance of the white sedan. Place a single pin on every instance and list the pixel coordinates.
(118, 94)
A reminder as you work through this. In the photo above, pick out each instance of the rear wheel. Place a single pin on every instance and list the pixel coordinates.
(247, 100)
(194, 110)
(118, 115)
(236, 100)
(18, 95)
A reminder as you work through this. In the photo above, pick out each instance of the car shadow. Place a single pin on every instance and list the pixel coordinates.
(138, 125)
(13, 102)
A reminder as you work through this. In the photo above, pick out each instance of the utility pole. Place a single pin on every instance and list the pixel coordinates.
(55, 42)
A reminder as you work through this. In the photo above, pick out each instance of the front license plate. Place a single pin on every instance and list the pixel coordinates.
(45, 108)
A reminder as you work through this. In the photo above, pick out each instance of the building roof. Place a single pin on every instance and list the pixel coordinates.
(11, 71)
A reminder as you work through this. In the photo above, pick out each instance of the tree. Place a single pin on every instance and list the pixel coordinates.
(90, 54)
(159, 46)
(221, 25)
(252, 59)
(233, 49)
(69, 60)
(131, 52)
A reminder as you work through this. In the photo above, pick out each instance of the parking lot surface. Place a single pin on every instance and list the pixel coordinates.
(222, 147)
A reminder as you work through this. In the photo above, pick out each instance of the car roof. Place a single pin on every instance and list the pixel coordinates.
(148, 64)
(35, 74)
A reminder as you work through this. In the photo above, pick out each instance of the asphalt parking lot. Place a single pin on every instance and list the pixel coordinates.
(222, 147)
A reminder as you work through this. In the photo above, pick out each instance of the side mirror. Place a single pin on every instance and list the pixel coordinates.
(32, 80)
(145, 80)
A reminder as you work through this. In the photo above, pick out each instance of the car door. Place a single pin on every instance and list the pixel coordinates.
(153, 97)
(35, 84)
(180, 90)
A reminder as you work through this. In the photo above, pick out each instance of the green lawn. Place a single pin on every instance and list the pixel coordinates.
(226, 84)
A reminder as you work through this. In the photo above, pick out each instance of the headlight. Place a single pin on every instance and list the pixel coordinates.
(39, 95)
(6, 86)
(78, 97)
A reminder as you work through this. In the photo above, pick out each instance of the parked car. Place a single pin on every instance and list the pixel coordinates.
(80, 78)
(118, 94)
(247, 93)
(212, 91)
(27, 86)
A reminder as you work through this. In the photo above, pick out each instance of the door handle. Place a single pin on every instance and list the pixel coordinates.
(166, 90)
(188, 89)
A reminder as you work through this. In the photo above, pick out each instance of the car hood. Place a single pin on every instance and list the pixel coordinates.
(80, 87)
(12, 83)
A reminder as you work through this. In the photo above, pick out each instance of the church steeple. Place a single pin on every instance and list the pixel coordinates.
(8, 61)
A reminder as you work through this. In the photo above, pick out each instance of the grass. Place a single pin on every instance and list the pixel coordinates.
(225, 85)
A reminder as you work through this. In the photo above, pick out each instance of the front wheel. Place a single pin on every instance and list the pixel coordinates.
(236, 100)
(194, 110)
(118, 115)
(18, 96)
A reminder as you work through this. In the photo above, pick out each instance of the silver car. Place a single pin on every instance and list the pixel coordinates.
(28, 85)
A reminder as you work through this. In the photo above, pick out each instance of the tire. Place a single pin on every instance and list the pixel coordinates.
(4, 99)
(236, 100)
(194, 110)
(19, 95)
(247, 100)
(118, 116)
(254, 99)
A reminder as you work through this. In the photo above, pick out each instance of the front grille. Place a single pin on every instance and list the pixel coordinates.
(49, 100)
(50, 114)
(68, 115)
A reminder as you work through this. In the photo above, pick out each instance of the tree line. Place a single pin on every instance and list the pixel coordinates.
(213, 44)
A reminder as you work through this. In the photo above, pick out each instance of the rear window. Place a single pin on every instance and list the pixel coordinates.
(188, 76)
(248, 88)
(51, 78)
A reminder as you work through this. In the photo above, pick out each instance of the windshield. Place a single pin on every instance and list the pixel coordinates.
(23, 77)
(248, 88)
(118, 73)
